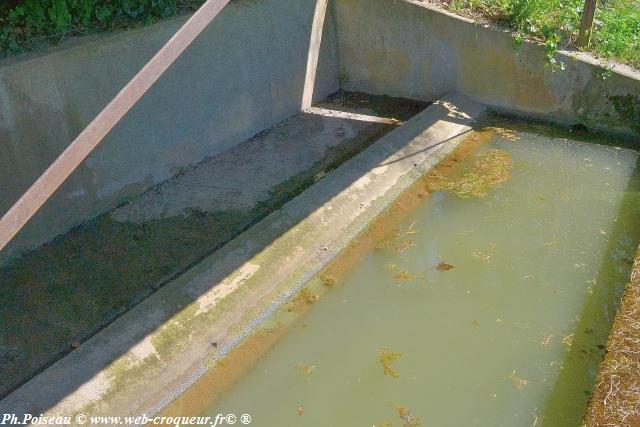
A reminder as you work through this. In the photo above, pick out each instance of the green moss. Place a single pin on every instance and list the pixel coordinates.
(175, 334)
(488, 170)
(387, 358)
(628, 107)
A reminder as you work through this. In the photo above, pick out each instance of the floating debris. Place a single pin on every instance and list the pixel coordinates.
(304, 298)
(475, 323)
(307, 296)
(381, 245)
(301, 410)
(545, 340)
(304, 369)
(483, 256)
(506, 133)
(328, 280)
(568, 340)
(488, 170)
(403, 276)
(407, 417)
(443, 266)
(410, 230)
(517, 381)
(404, 245)
(535, 421)
(387, 357)
(557, 364)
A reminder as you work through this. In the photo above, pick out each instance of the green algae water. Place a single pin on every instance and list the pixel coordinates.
(479, 310)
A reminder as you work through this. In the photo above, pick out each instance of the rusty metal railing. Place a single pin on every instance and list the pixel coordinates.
(44, 187)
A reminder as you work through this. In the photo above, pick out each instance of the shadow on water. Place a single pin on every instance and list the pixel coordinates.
(581, 362)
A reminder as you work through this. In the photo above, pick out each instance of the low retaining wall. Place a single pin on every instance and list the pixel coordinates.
(410, 49)
(244, 73)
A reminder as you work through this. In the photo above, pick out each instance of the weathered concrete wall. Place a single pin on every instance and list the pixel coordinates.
(244, 73)
(407, 48)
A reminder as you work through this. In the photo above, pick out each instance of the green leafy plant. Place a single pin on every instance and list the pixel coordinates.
(556, 23)
(41, 22)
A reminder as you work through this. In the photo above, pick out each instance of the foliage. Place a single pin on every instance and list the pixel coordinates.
(619, 36)
(40, 22)
(556, 24)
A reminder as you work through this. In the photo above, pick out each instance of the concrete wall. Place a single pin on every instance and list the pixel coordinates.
(407, 48)
(243, 74)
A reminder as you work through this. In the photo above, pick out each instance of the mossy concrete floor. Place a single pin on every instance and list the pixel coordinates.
(62, 293)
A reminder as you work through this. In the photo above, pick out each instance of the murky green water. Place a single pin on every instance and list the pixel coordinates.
(510, 336)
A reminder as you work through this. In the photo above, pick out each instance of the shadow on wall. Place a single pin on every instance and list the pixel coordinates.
(245, 72)
(156, 252)
(81, 270)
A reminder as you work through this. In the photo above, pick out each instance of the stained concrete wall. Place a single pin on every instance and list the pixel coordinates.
(243, 74)
(408, 48)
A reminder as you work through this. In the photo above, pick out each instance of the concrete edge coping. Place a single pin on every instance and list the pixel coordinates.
(175, 21)
(153, 353)
(170, 25)
(574, 55)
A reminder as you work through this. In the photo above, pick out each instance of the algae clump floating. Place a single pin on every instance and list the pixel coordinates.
(403, 276)
(407, 417)
(387, 357)
(488, 170)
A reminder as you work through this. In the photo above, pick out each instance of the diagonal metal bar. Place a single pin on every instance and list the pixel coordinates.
(314, 52)
(42, 189)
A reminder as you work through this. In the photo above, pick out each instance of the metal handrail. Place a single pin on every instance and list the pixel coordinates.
(67, 162)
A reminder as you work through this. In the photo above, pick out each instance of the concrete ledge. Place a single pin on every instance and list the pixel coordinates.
(154, 352)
